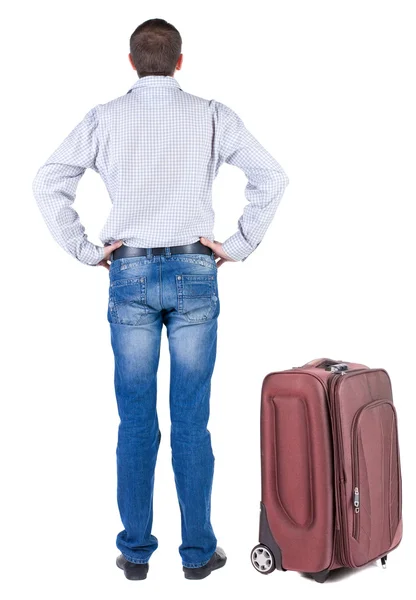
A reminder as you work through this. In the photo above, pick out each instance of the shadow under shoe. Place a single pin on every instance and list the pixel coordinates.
(217, 560)
(134, 571)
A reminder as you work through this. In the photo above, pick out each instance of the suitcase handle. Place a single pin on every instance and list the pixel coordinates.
(338, 368)
(335, 366)
(321, 363)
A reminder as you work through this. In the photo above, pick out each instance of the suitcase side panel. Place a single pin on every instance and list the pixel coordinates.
(297, 469)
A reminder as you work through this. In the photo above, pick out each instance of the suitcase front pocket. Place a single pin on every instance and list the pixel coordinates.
(376, 492)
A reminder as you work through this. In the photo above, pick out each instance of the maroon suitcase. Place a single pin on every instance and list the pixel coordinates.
(330, 469)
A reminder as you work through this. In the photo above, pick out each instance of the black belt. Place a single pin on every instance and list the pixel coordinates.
(128, 251)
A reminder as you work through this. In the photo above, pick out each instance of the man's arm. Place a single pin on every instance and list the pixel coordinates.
(266, 182)
(55, 184)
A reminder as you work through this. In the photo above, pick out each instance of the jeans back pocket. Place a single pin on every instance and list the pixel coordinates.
(127, 300)
(197, 296)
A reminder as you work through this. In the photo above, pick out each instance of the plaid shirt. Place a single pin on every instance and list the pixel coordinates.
(158, 150)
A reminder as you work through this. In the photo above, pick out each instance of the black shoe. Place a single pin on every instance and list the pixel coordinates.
(217, 560)
(132, 570)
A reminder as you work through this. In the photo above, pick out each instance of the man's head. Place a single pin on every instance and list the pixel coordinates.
(155, 48)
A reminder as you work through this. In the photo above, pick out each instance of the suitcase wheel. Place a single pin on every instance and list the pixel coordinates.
(262, 559)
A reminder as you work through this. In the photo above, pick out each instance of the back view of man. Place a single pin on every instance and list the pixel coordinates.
(158, 150)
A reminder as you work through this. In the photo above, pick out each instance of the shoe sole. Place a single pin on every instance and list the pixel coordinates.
(202, 575)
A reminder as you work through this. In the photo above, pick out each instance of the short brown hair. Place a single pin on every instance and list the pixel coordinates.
(155, 47)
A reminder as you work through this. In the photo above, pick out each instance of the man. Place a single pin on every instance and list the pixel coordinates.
(158, 150)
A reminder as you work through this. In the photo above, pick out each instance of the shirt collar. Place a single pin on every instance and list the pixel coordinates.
(155, 81)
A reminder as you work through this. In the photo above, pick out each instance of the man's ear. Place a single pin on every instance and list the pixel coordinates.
(131, 61)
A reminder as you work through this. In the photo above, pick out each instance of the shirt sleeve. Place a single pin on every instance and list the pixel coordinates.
(265, 187)
(55, 184)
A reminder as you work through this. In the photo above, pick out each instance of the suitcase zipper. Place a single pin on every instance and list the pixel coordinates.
(356, 522)
(339, 467)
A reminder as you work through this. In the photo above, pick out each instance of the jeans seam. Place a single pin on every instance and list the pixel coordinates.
(135, 560)
(196, 565)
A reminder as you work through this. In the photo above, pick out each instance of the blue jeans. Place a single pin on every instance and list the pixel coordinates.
(145, 292)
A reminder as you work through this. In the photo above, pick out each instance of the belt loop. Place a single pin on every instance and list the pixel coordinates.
(148, 253)
(168, 252)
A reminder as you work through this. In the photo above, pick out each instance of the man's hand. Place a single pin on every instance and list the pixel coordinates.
(107, 252)
(218, 251)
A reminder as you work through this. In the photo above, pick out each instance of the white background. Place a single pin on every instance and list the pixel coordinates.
(328, 88)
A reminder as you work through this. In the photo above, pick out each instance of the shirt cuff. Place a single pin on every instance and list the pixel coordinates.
(236, 247)
(91, 254)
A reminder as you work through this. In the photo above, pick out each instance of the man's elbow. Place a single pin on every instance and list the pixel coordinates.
(43, 187)
(38, 185)
(279, 181)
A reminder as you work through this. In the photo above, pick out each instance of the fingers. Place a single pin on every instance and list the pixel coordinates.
(207, 243)
(115, 245)
(109, 249)
(103, 263)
